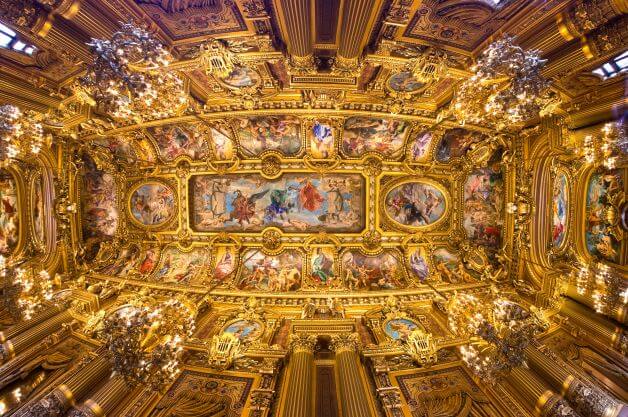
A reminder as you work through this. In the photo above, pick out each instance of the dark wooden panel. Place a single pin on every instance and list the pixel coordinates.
(326, 20)
(326, 401)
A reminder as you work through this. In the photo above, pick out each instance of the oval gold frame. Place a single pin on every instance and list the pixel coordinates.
(422, 180)
(413, 92)
(132, 217)
(39, 240)
(258, 83)
(561, 247)
(385, 322)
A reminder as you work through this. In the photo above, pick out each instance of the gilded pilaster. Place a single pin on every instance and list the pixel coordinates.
(357, 16)
(296, 25)
(59, 400)
(353, 394)
(25, 339)
(23, 326)
(595, 325)
(104, 400)
(586, 399)
(536, 396)
(298, 400)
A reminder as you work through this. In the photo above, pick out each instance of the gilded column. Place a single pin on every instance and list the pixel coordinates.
(299, 398)
(354, 398)
(295, 22)
(618, 313)
(586, 399)
(27, 324)
(57, 402)
(25, 339)
(104, 400)
(536, 396)
(586, 15)
(595, 325)
(357, 16)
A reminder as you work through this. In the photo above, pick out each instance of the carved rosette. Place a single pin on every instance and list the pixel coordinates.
(345, 343)
(302, 343)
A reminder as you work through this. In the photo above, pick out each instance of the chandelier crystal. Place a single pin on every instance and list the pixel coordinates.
(506, 88)
(25, 292)
(604, 284)
(130, 77)
(145, 342)
(21, 133)
(498, 330)
(609, 148)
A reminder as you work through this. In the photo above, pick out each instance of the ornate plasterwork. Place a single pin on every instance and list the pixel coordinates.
(195, 19)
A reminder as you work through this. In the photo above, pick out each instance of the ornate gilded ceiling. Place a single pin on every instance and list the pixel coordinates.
(322, 162)
(284, 202)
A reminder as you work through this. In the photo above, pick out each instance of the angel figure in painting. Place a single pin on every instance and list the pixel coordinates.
(244, 207)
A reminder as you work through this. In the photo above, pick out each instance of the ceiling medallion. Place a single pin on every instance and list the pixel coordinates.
(506, 88)
(130, 77)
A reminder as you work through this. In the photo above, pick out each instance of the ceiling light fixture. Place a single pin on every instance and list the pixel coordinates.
(130, 77)
(506, 88)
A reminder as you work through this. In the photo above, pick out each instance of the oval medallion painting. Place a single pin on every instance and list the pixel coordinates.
(245, 330)
(559, 209)
(242, 77)
(415, 204)
(152, 204)
(404, 82)
(399, 329)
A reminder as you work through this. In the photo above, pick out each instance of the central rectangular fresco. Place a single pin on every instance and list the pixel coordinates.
(295, 203)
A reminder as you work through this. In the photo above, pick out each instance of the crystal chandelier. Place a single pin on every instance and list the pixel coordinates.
(130, 77)
(498, 330)
(609, 148)
(605, 285)
(145, 342)
(21, 133)
(25, 292)
(506, 88)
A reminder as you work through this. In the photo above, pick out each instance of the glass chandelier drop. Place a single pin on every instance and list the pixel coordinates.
(606, 286)
(608, 149)
(506, 88)
(21, 133)
(145, 342)
(498, 330)
(25, 292)
(130, 77)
